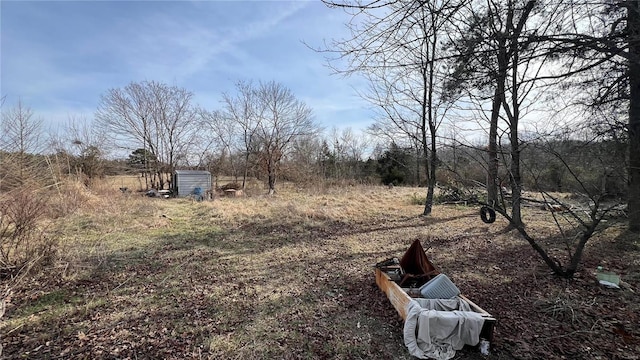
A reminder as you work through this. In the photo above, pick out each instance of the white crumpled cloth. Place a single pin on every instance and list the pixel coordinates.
(436, 328)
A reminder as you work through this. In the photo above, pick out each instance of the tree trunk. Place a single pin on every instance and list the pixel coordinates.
(160, 180)
(516, 179)
(418, 152)
(432, 174)
(271, 171)
(514, 117)
(152, 180)
(428, 202)
(633, 24)
(431, 122)
(492, 150)
(428, 165)
(246, 171)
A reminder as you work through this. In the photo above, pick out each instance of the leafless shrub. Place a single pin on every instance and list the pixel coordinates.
(66, 197)
(23, 242)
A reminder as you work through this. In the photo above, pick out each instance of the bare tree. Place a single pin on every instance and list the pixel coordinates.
(305, 160)
(21, 132)
(86, 145)
(344, 151)
(633, 41)
(283, 119)
(20, 140)
(512, 48)
(155, 116)
(175, 125)
(398, 46)
(518, 40)
(243, 114)
(495, 50)
(600, 45)
(213, 145)
(260, 123)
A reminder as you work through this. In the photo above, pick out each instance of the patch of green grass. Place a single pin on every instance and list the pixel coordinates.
(85, 223)
(52, 305)
(416, 199)
(48, 302)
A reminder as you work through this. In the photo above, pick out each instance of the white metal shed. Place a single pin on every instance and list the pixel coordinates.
(187, 182)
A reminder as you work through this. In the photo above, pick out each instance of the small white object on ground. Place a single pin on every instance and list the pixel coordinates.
(484, 347)
(609, 284)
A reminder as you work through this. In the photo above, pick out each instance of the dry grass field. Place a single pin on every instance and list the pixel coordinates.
(291, 277)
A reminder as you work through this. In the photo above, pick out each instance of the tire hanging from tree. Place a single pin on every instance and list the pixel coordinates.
(487, 214)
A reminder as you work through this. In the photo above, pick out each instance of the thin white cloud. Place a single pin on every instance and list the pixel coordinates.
(203, 46)
(164, 45)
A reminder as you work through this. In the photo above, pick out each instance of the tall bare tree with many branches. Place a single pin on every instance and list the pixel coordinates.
(282, 119)
(156, 117)
(21, 137)
(399, 47)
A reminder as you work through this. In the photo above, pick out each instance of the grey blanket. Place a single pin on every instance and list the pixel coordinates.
(436, 328)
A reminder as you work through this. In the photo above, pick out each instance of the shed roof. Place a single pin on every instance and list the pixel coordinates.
(192, 172)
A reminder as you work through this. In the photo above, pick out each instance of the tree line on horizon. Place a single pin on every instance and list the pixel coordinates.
(337, 157)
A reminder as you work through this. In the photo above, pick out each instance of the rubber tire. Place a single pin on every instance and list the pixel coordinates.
(487, 214)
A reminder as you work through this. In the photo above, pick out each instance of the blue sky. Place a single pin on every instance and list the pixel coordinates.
(60, 56)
